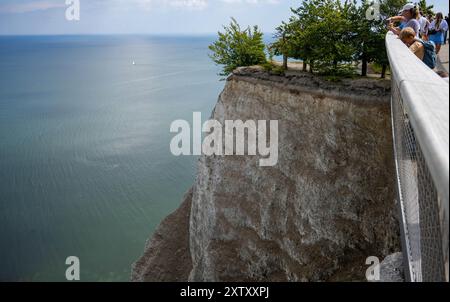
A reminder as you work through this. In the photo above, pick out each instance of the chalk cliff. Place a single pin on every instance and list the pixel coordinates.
(317, 215)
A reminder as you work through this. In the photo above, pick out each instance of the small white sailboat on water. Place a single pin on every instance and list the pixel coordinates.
(134, 63)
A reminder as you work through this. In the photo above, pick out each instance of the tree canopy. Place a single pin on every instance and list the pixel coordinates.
(328, 35)
(425, 8)
(238, 47)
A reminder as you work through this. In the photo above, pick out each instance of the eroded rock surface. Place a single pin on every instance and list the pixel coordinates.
(317, 215)
(392, 268)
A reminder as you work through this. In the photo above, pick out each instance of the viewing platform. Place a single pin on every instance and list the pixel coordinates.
(420, 119)
(443, 58)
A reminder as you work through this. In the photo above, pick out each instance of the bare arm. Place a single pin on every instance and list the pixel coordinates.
(392, 20)
(397, 19)
(395, 30)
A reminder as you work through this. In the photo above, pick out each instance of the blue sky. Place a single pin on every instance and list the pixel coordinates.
(145, 16)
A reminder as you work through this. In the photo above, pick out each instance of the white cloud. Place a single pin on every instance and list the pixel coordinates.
(183, 4)
(194, 4)
(252, 1)
(42, 5)
(30, 6)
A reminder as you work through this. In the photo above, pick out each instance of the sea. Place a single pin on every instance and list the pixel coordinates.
(85, 164)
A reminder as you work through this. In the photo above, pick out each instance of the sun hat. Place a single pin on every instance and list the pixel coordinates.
(408, 6)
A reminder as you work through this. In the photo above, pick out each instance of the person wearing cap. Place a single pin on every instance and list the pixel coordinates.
(409, 14)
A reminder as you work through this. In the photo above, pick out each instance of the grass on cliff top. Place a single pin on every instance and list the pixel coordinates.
(349, 71)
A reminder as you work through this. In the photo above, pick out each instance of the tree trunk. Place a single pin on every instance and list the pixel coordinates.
(285, 62)
(364, 67)
(304, 65)
(311, 67)
(383, 71)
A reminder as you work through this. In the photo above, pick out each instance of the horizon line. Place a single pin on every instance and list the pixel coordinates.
(117, 34)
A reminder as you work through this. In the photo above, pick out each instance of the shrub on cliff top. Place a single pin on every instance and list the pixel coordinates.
(238, 47)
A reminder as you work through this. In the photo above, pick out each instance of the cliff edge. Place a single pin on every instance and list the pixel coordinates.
(317, 215)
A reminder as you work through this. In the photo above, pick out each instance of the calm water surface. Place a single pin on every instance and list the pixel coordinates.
(85, 166)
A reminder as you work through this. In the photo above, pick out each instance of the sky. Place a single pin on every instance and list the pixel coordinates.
(35, 17)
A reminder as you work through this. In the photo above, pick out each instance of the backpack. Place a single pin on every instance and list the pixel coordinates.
(430, 56)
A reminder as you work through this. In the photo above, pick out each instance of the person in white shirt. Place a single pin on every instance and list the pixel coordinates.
(437, 29)
(424, 26)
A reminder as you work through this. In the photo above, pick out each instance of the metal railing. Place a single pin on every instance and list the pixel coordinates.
(420, 119)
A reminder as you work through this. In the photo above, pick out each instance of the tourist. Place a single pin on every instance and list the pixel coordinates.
(410, 14)
(408, 36)
(424, 50)
(430, 19)
(437, 29)
(424, 26)
(446, 32)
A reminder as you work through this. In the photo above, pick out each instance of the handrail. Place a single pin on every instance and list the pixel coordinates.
(426, 96)
(425, 100)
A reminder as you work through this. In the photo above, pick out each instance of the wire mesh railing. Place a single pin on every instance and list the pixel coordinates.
(420, 120)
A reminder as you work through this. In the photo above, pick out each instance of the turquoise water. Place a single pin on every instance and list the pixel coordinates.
(85, 166)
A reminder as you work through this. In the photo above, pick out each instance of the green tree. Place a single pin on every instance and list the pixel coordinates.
(322, 35)
(330, 34)
(425, 9)
(288, 43)
(388, 8)
(284, 43)
(292, 41)
(391, 8)
(319, 33)
(369, 37)
(238, 47)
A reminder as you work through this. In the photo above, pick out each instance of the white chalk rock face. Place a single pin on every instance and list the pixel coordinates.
(327, 205)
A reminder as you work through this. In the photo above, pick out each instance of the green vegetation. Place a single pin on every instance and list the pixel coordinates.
(323, 37)
(369, 38)
(238, 47)
(425, 8)
(391, 8)
(273, 68)
(332, 37)
(283, 46)
(378, 69)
